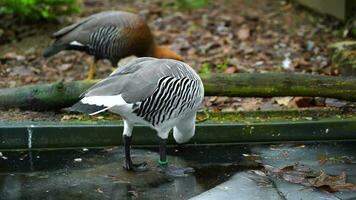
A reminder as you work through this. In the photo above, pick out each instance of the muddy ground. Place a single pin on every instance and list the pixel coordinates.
(224, 36)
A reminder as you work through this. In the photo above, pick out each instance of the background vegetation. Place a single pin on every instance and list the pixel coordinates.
(31, 10)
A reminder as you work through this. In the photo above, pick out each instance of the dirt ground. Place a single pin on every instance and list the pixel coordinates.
(225, 36)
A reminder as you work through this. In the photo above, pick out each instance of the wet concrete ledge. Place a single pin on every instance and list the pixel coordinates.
(37, 135)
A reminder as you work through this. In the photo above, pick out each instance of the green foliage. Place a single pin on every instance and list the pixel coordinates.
(353, 32)
(221, 67)
(205, 68)
(191, 4)
(38, 9)
(186, 4)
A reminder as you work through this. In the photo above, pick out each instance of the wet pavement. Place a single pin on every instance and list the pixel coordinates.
(256, 184)
(221, 172)
(97, 173)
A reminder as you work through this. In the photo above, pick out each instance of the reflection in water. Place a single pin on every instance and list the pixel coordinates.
(11, 187)
(56, 174)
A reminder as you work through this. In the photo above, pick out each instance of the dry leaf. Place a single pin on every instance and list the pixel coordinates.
(284, 101)
(65, 67)
(99, 190)
(13, 56)
(243, 33)
(322, 159)
(299, 146)
(308, 177)
(133, 193)
(230, 70)
(302, 102)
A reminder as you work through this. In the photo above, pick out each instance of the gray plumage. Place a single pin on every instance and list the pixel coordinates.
(111, 35)
(161, 93)
(156, 90)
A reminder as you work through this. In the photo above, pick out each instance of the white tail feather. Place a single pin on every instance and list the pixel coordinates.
(102, 110)
(108, 101)
(75, 43)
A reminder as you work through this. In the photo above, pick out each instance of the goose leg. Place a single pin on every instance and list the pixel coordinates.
(128, 165)
(170, 170)
(92, 69)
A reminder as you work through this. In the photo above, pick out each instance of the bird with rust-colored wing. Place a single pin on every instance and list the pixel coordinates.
(109, 35)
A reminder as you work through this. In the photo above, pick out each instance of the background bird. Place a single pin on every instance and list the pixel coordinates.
(109, 35)
(163, 94)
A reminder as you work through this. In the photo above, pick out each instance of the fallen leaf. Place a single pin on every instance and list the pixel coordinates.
(302, 102)
(65, 67)
(29, 79)
(322, 159)
(13, 56)
(133, 193)
(230, 70)
(253, 157)
(306, 176)
(243, 33)
(332, 183)
(284, 101)
(118, 179)
(299, 146)
(336, 159)
(300, 62)
(99, 190)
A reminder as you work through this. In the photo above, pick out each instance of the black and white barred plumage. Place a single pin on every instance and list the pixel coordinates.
(108, 35)
(160, 93)
(105, 43)
(171, 98)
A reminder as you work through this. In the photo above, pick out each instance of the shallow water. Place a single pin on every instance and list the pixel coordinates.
(97, 173)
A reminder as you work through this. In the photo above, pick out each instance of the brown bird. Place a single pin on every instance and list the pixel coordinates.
(109, 35)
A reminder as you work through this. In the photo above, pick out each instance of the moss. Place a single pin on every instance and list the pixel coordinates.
(50, 97)
(344, 57)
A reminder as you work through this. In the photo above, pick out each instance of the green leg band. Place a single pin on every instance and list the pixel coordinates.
(162, 163)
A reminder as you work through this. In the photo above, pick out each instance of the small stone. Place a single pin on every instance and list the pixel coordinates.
(286, 64)
(309, 45)
(65, 67)
(259, 63)
(180, 44)
(20, 71)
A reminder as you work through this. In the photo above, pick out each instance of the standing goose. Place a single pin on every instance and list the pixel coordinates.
(109, 35)
(160, 93)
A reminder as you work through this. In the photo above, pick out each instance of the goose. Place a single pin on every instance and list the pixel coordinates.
(109, 35)
(163, 94)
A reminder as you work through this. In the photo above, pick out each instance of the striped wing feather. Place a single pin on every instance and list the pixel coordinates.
(159, 89)
(138, 79)
(81, 31)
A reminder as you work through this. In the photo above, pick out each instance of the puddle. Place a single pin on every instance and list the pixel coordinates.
(97, 173)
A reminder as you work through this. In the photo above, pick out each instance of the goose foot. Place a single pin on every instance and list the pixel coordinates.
(140, 167)
(175, 171)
